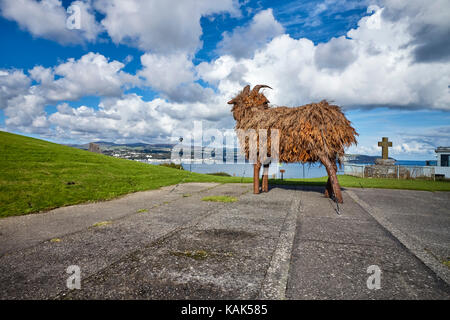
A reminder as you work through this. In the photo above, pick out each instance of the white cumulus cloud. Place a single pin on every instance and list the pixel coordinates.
(92, 74)
(47, 19)
(372, 66)
(243, 41)
(160, 26)
(173, 76)
(24, 101)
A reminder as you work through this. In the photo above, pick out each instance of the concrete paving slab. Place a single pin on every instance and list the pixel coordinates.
(424, 216)
(339, 271)
(331, 255)
(420, 220)
(345, 231)
(324, 208)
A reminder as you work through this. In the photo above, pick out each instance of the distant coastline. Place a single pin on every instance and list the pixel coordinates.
(160, 153)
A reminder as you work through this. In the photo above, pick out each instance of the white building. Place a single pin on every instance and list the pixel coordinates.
(443, 159)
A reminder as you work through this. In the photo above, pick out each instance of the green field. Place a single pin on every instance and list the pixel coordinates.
(37, 175)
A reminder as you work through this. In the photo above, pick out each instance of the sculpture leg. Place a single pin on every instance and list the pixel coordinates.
(331, 171)
(265, 178)
(337, 188)
(256, 168)
(328, 190)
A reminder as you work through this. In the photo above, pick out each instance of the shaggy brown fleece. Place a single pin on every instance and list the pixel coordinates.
(307, 133)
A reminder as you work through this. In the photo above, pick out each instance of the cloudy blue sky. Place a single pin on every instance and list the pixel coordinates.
(145, 70)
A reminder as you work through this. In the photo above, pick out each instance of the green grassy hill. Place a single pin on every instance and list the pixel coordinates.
(38, 175)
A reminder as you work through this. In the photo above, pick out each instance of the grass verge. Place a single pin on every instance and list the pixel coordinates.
(382, 183)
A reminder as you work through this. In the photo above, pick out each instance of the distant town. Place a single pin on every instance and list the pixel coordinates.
(162, 152)
(154, 152)
(134, 151)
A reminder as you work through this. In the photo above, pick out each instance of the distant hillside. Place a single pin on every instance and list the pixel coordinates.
(39, 175)
(135, 151)
(143, 151)
(108, 145)
(361, 158)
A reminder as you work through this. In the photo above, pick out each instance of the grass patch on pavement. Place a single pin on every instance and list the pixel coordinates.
(196, 254)
(220, 199)
(101, 224)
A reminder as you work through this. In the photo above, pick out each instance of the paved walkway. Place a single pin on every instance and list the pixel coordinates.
(169, 244)
(419, 219)
(332, 253)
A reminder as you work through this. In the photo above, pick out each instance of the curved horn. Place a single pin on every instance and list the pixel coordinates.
(246, 89)
(258, 87)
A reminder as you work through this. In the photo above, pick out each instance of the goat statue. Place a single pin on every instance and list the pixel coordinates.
(307, 134)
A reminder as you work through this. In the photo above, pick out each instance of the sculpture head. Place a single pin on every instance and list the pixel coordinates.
(248, 99)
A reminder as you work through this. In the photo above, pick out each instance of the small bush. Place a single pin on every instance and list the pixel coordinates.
(220, 174)
(172, 165)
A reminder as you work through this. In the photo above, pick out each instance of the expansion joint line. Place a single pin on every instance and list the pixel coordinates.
(275, 281)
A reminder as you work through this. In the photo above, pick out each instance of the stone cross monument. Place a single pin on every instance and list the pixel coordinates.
(384, 144)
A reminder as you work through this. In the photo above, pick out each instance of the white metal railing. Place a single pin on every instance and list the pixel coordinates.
(356, 170)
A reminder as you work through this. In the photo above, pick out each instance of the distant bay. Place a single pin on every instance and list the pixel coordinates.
(292, 170)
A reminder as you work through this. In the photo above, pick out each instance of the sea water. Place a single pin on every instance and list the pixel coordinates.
(292, 170)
